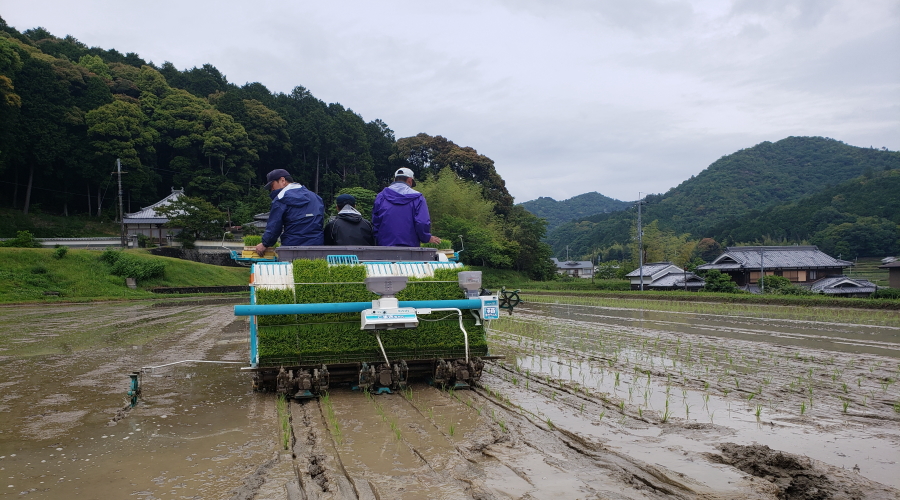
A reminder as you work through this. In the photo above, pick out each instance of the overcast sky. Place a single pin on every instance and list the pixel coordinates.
(566, 96)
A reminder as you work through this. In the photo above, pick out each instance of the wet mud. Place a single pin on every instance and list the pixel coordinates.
(589, 403)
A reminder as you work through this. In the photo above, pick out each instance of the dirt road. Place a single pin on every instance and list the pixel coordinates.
(589, 403)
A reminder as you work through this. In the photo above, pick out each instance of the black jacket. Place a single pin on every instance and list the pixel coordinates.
(349, 229)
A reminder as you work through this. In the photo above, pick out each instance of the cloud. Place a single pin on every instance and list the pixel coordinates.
(567, 97)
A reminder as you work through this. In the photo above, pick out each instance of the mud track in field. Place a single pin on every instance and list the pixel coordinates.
(585, 405)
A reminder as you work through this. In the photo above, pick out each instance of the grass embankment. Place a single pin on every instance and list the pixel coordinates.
(621, 289)
(27, 274)
(55, 226)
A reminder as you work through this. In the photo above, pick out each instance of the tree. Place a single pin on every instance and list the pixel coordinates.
(95, 65)
(708, 249)
(428, 155)
(196, 217)
(457, 208)
(717, 281)
(119, 130)
(866, 237)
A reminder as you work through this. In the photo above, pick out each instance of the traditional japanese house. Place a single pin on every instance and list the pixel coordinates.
(664, 276)
(574, 268)
(149, 223)
(803, 265)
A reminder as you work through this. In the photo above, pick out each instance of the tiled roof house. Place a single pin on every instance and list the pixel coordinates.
(148, 222)
(800, 264)
(664, 276)
(574, 268)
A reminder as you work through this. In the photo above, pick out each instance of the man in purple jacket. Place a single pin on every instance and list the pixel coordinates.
(400, 215)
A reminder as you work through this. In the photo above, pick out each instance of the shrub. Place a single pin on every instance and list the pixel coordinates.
(780, 285)
(23, 239)
(60, 252)
(110, 256)
(717, 281)
(129, 266)
(886, 293)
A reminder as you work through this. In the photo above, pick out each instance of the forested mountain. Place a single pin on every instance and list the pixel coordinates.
(68, 111)
(575, 208)
(860, 217)
(756, 178)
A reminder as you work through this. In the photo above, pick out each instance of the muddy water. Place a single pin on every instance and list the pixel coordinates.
(692, 406)
(590, 403)
(840, 337)
(197, 433)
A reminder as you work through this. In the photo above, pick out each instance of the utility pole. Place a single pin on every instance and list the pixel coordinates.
(640, 242)
(762, 270)
(121, 213)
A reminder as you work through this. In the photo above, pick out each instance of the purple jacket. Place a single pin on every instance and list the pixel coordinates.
(400, 217)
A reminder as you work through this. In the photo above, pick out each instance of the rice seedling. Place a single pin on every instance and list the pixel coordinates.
(333, 424)
(284, 420)
(549, 423)
(802, 407)
(664, 417)
(452, 430)
(758, 411)
(845, 403)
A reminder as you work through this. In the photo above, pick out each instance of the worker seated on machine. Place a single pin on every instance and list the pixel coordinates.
(296, 214)
(400, 214)
(348, 227)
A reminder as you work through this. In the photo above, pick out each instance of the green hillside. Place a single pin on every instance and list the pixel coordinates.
(575, 208)
(69, 112)
(36, 275)
(756, 178)
(857, 218)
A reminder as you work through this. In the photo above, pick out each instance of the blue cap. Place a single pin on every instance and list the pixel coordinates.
(276, 174)
(345, 199)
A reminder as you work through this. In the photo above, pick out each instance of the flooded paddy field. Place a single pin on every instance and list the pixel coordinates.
(591, 401)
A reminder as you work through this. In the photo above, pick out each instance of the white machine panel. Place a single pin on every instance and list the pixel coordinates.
(490, 307)
(389, 319)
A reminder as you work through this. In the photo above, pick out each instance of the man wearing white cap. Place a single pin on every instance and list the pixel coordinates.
(400, 215)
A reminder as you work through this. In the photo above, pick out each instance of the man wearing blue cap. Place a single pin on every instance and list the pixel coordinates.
(400, 214)
(349, 227)
(296, 214)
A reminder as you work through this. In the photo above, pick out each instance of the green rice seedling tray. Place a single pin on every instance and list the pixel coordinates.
(336, 338)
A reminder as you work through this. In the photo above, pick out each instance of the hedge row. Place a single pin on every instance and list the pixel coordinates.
(333, 338)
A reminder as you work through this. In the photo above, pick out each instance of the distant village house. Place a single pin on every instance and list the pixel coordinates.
(893, 267)
(149, 223)
(805, 266)
(664, 276)
(576, 269)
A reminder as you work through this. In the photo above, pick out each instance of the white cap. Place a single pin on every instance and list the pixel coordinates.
(405, 172)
